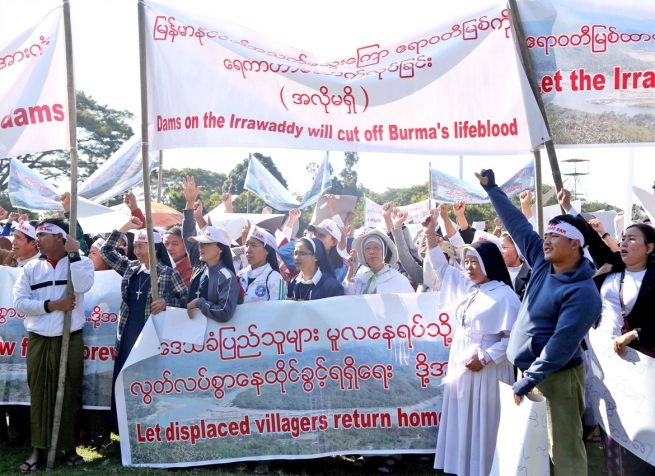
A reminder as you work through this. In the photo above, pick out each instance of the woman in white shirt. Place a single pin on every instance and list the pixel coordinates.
(486, 308)
(379, 253)
(261, 279)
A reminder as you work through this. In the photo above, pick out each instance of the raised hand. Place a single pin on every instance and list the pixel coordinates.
(443, 211)
(597, 225)
(400, 219)
(564, 199)
(65, 199)
(387, 209)
(190, 190)
(350, 218)
(294, 214)
(12, 217)
(132, 224)
(130, 200)
(267, 211)
(3, 213)
(526, 197)
(459, 207)
(24, 217)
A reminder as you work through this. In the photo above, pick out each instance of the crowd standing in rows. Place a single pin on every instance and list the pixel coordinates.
(523, 304)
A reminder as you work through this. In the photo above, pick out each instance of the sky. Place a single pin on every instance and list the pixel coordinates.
(105, 44)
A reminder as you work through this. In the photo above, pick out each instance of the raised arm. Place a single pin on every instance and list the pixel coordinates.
(191, 192)
(410, 265)
(109, 250)
(528, 241)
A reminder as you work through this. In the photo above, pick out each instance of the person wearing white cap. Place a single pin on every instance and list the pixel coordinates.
(377, 276)
(261, 279)
(334, 241)
(40, 293)
(136, 292)
(214, 288)
(485, 308)
(23, 246)
(99, 264)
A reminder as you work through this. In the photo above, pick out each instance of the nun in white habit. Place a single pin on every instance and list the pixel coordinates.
(379, 254)
(485, 306)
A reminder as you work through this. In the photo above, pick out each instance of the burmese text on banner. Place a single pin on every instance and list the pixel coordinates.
(457, 88)
(33, 94)
(344, 375)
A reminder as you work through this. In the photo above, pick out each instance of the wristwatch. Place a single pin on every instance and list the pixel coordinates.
(74, 256)
(605, 235)
(636, 334)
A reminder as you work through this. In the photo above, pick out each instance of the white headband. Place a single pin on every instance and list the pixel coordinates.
(51, 229)
(99, 243)
(263, 236)
(564, 229)
(27, 229)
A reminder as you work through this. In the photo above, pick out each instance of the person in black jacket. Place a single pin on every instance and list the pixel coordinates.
(316, 277)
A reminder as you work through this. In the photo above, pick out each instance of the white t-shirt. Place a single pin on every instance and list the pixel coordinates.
(611, 321)
(514, 272)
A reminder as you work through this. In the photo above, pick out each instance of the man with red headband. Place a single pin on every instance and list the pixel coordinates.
(40, 294)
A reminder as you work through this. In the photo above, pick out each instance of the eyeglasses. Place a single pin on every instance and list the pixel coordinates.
(302, 253)
(506, 248)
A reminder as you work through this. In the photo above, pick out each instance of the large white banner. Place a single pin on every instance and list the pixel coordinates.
(374, 215)
(622, 395)
(33, 96)
(456, 88)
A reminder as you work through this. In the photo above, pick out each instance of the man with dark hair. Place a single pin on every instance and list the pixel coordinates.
(40, 294)
(23, 247)
(559, 306)
(174, 244)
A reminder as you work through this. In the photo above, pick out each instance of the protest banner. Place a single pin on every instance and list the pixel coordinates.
(118, 173)
(449, 189)
(263, 184)
(28, 189)
(33, 96)
(621, 394)
(101, 307)
(374, 218)
(594, 65)
(273, 95)
(304, 382)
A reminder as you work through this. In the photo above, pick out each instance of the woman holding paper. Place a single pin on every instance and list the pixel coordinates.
(315, 279)
(486, 307)
(137, 304)
(261, 280)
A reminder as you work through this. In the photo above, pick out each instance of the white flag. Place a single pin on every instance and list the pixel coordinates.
(456, 88)
(33, 94)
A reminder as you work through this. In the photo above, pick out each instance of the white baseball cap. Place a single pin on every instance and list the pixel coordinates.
(212, 234)
(327, 227)
(141, 236)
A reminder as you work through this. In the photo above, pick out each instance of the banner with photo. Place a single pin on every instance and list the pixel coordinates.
(33, 96)
(101, 307)
(595, 64)
(263, 184)
(403, 92)
(449, 189)
(119, 173)
(304, 382)
(28, 189)
(622, 396)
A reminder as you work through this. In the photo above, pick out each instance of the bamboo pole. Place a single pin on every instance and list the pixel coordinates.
(144, 150)
(539, 198)
(160, 175)
(65, 337)
(429, 185)
(248, 194)
(534, 85)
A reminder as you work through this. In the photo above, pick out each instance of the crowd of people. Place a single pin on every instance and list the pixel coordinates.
(523, 305)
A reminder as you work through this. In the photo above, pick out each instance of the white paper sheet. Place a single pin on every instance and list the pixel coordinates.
(522, 443)
(178, 326)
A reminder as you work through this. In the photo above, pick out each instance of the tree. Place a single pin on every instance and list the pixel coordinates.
(100, 132)
(237, 177)
(210, 195)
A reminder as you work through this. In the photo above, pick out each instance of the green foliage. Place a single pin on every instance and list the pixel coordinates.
(172, 195)
(237, 176)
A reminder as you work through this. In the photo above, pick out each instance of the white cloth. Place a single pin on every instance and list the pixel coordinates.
(390, 282)
(313, 280)
(22, 262)
(514, 272)
(31, 302)
(471, 406)
(267, 285)
(611, 321)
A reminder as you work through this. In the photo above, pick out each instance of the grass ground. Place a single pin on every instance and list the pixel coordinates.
(97, 463)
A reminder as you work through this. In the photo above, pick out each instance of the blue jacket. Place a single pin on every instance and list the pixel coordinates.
(325, 288)
(557, 309)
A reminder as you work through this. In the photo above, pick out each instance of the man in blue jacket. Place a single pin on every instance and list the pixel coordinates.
(560, 305)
